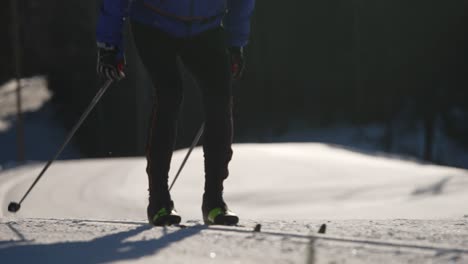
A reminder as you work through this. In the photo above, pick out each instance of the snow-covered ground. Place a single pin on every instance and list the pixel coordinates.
(377, 209)
(34, 94)
(407, 139)
(43, 132)
(358, 241)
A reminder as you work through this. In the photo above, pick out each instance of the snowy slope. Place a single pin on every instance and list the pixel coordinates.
(43, 131)
(82, 207)
(278, 181)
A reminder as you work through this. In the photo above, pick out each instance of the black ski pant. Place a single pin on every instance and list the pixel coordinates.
(206, 57)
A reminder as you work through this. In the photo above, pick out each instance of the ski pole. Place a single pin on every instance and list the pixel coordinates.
(194, 143)
(13, 206)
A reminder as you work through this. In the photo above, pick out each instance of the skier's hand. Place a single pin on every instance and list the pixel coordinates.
(109, 64)
(237, 61)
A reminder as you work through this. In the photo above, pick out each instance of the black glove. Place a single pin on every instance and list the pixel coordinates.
(110, 64)
(237, 61)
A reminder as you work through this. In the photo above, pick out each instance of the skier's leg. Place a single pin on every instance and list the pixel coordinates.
(206, 57)
(158, 52)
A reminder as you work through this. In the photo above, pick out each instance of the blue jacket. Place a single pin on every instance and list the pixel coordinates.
(172, 16)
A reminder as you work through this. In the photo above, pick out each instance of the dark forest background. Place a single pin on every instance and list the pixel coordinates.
(318, 63)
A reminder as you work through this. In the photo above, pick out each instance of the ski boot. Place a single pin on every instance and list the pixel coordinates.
(216, 212)
(163, 215)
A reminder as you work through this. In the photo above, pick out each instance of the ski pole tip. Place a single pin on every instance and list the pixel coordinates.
(13, 207)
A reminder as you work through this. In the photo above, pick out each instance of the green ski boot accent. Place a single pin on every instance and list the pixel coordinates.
(165, 218)
(214, 213)
(161, 213)
(220, 216)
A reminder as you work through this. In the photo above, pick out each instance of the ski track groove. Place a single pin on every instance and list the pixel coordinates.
(244, 229)
(64, 220)
(289, 241)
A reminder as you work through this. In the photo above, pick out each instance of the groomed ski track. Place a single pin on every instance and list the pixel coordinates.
(356, 241)
(377, 210)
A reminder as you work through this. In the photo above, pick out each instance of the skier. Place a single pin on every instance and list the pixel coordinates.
(208, 36)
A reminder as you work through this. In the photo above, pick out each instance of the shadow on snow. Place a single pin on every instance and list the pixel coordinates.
(100, 250)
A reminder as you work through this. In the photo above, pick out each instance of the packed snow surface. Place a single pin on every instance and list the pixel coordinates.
(34, 95)
(376, 208)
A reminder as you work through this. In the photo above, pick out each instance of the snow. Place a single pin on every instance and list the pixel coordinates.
(41, 127)
(407, 139)
(88, 241)
(286, 181)
(377, 209)
(34, 94)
